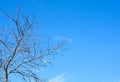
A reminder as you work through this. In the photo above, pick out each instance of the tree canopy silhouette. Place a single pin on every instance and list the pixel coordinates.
(22, 51)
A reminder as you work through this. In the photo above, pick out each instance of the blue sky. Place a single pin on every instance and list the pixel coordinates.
(92, 25)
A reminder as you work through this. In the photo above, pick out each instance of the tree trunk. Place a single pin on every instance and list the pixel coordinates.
(6, 76)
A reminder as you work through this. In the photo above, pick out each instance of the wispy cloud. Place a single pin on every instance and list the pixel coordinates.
(60, 78)
(69, 40)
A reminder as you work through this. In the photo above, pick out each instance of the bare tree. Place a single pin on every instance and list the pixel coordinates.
(22, 51)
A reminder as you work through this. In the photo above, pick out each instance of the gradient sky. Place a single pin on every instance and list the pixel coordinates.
(93, 26)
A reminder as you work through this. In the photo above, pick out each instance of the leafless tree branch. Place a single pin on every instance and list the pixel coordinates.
(22, 52)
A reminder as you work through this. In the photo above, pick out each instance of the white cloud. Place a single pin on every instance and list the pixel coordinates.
(59, 78)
